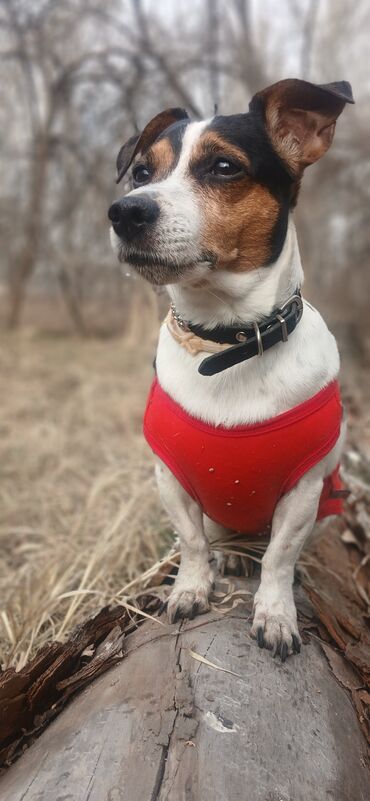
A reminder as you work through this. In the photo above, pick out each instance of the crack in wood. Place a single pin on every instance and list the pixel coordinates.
(91, 782)
(184, 724)
(35, 777)
(160, 774)
(165, 749)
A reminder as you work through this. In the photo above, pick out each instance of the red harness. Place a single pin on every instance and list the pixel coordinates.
(238, 475)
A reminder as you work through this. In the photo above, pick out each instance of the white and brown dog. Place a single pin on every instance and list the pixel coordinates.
(208, 214)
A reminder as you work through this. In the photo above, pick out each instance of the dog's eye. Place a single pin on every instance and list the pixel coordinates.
(141, 174)
(224, 167)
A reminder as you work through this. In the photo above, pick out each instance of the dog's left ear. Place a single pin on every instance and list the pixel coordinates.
(142, 141)
(300, 118)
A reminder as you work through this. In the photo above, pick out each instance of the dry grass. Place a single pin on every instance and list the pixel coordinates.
(80, 517)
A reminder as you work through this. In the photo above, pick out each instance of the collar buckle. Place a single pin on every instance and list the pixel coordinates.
(297, 299)
(294, 299)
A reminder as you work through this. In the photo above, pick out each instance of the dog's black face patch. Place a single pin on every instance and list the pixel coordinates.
(247, 133)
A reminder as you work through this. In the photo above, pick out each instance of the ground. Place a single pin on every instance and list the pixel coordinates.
(80, 515)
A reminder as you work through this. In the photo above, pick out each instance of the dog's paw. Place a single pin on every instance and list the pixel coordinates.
(275, 627)
(189, 598)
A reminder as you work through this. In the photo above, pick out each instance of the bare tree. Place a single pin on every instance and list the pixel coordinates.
(81, 76)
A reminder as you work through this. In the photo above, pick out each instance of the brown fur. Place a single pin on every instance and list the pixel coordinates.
(238, 224)
(238, 217)
(161, 158)
(282, 138)
(300, 120)
(299, 137)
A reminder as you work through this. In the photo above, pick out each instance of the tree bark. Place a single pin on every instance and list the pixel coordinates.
(162, 726)
(71, 301)
(25, 266)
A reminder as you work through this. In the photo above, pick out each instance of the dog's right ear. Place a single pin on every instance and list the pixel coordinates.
(300, 118)
(142, 141)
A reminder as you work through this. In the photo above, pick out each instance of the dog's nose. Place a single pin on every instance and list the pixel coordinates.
(130, 216)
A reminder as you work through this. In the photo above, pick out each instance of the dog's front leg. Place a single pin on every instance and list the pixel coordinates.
(193, 584)
(275, 615)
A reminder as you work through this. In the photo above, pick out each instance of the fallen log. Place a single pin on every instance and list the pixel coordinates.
(196, 711)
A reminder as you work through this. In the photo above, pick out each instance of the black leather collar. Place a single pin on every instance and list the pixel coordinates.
(252, 339)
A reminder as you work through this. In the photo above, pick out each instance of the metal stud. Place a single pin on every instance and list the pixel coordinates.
(177, 316)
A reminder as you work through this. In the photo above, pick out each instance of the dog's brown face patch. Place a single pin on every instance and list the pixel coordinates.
(239, 214)
(161, 159)
(238, 225)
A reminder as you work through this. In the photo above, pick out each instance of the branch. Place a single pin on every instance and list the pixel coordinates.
(159, 58)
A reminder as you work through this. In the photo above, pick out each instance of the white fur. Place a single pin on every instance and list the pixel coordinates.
(194, 580)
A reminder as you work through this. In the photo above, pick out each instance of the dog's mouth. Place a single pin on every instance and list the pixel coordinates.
(158, 268)
(155, 268)
(152, 260)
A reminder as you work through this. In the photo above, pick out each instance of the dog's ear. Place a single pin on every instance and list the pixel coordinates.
(125, 156)
(300, 118)
(142, 141)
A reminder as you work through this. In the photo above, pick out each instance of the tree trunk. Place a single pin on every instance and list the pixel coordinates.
(72, 301)
(162, 726)
(26, 263)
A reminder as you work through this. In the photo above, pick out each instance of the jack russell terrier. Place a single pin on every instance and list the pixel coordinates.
(245, 413)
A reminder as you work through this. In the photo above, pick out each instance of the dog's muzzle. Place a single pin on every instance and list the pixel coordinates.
(131, 217)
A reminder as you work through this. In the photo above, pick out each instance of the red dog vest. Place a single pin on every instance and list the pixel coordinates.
(238, 474)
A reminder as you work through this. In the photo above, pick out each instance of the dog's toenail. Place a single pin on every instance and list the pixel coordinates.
(162, 607)
(260, 637)
(194, 610)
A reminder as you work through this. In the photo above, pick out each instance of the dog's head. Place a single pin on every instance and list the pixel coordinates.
(218, 193)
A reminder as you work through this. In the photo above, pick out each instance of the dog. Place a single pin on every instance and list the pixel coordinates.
(250, 435)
